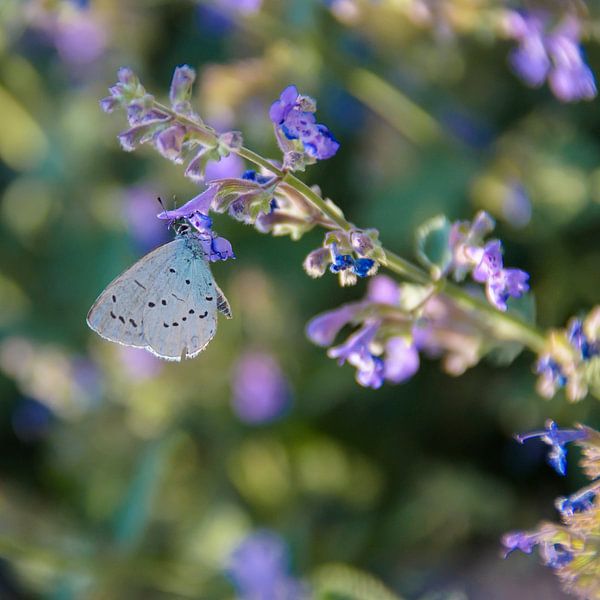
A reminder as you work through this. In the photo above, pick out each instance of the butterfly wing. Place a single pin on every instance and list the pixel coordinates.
(117, 314)
(180, 313)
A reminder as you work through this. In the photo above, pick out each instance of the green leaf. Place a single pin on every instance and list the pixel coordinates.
(433, 248)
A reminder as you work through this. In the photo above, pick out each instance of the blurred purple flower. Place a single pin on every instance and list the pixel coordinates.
(519, 540)
(80, 39)
(552, 54)
(261, 391)
(139, 364)
(139, 208)
(383, 290)
(259, 569)
(401, 360)
(228, 167)
(323, 329)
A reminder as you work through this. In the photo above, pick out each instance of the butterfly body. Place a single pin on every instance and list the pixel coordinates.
(167, 302)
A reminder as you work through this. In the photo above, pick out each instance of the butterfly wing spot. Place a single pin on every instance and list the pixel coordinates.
(114, 298)
(163, 302)
(177, 297)
(187, 281)
(133, 322)
(175, 324)
(112, 314)
(139, 284)
(209, 298)
(122, 319)
(151, 304)
(165, 325)
(191, 311)
(202, 316)
(171, 270)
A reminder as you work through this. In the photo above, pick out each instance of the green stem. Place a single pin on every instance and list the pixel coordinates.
(505, 326)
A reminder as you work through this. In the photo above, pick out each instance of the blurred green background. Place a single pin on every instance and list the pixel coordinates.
(125, 477)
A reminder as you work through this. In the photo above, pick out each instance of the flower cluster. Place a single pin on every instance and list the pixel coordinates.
(195, 212)
(259, 569)
(551, 53)
(177, 133)
(382, 348)
(572, 359)
(350, 254)
(469, 254)
(572, 549)
(302, 140)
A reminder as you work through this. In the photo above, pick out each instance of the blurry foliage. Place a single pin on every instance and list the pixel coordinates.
(125, 477)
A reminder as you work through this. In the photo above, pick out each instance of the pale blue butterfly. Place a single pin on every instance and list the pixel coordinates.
(167, 302)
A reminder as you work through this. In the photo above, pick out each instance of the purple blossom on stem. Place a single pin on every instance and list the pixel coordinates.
(198, 204)
(556, 438)
(501, 284)
(294, 115)
(323, 329)
(401, 360)
(519, 540)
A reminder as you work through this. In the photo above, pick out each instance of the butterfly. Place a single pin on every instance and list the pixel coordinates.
(167, 302)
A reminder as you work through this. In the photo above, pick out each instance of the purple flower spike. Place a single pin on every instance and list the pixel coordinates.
(557, 439)
(199, 204)
(260, 390)
(401, 360)
(323, 329)
(281, 108)
(221, 249)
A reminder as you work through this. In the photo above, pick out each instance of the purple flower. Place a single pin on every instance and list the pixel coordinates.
(281, 108)
(554, 55)
(216, 248)
(505, 284)
(383, 290)
(519, 540)
(516, 205)
(293, 115)
(323, 329)
(169, 142)
(401, 360)
(501, 284)
(490, 263)
(228, 167)
(557, 439)
(260, 390)
(181, 88)
(356, 346)
(199, 204)
(552, 376)
(259, 569)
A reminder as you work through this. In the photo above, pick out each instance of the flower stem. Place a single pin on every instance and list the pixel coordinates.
(505, 326)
